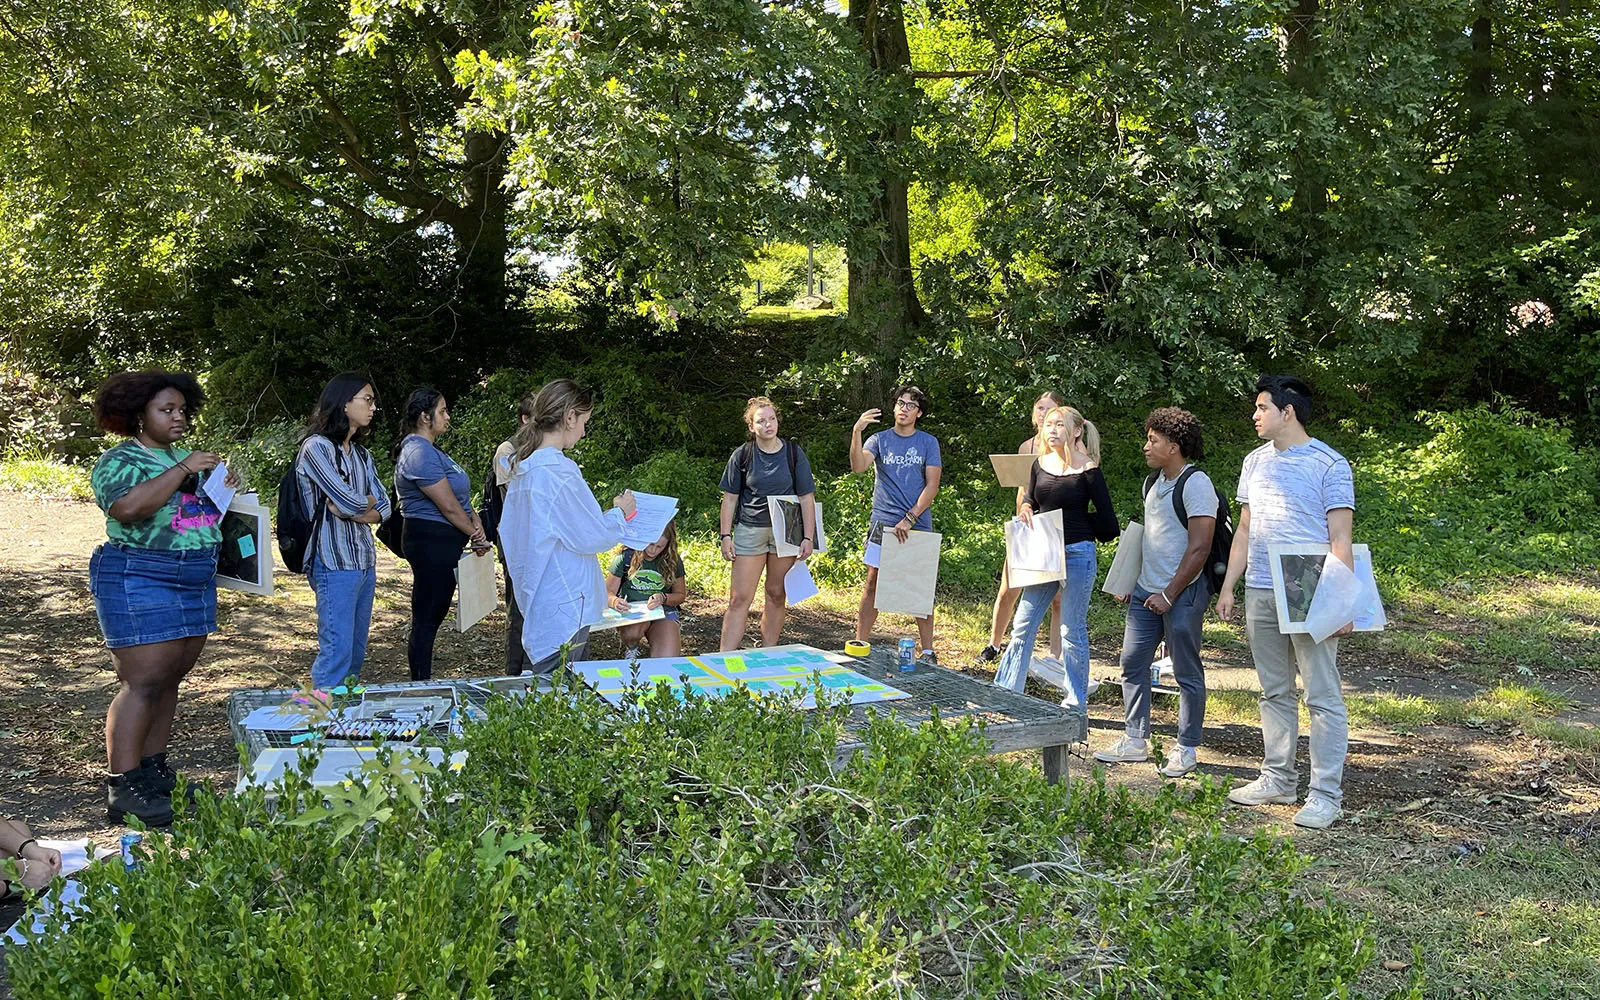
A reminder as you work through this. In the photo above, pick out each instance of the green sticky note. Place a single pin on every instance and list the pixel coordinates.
(610, 672)
(247, 546)
(873, 687)
(735, 664)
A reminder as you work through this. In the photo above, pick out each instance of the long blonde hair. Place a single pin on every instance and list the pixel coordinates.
(667, 559)
(551, 404)
(1076, 426)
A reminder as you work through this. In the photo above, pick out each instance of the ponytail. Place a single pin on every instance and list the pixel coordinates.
(1091, 441)
(418, 405)
(1088, 434)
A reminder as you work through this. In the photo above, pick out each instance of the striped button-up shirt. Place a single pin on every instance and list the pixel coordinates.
(345, 478)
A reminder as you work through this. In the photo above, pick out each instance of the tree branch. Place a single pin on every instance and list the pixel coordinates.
(992, 73)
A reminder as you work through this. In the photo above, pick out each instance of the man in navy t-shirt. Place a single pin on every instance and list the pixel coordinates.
(906, 469)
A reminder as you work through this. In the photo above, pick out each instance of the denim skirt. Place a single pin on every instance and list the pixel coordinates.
(150, 595)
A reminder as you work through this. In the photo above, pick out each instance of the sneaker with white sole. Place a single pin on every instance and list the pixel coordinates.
(1317, 814)
(1180, 761)
(1127, 750)
(1260, 792)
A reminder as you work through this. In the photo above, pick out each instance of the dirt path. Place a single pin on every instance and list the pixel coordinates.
(1471, 782)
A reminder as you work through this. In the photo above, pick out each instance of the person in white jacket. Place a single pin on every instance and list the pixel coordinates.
(552, 529)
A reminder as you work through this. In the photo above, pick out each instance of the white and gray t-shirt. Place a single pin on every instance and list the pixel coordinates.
(1289, 494)
(1165, 537)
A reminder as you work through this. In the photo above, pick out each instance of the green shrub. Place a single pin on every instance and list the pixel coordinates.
(47, 478)
(702, 848)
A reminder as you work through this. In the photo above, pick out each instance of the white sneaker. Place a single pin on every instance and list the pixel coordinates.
(1260, 792)
(1180, 761)
(1127, 750)
(1317, 814)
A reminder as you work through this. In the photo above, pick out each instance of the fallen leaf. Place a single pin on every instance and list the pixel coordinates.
(1390, 965)
(1543, 940)
(1414, 805)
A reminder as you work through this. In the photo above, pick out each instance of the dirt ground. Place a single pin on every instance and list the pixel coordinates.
(1429, 790)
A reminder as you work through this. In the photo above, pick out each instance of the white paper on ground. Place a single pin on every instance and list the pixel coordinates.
(74, 854)
(476, 594)
(216, 487)
(1338, 598)
(797, 583)
(1127, 563)
(1049, 670)
(908, 572)
(71, 892)
(651, 516)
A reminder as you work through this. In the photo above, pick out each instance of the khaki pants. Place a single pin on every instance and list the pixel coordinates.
(1278, 659)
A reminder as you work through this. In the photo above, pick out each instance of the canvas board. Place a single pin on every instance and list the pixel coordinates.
(244, 559)
(1127, 564)
(476, 593)
(788, 525)
(773, 670)
(1296, 570)
(908, 572)
(1012, 470)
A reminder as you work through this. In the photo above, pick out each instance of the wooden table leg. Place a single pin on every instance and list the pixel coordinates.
(1055, 764)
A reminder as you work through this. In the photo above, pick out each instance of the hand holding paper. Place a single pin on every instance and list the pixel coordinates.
(651, 515)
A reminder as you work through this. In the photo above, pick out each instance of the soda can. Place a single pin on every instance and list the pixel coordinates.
(908, 655)
(128, 840)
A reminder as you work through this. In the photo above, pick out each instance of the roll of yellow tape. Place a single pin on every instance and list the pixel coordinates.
(855, 647)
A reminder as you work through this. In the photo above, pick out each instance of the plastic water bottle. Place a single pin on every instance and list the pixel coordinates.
(908, 655)
(128, 840)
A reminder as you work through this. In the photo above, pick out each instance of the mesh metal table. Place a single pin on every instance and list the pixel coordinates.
(1012, 722)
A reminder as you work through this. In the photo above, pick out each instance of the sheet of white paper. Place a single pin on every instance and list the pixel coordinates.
(275, 719)
(1370, 617)
(649, 520)
(1040, 547)
(71, 892)
(1338, 597)
(74, 854)
(1127, 563)
(638, 611)
(908, 573)
(1049, 670)
(476, 594)
(334, 766)
(872, 554)
(797, 583)
(217, 489)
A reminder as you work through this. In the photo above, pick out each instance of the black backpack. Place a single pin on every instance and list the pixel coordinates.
(1216, 567)
(296, 532)
(392, 531)
(494, 502)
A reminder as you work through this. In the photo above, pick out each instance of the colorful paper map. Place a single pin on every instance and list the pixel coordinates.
(774, 670)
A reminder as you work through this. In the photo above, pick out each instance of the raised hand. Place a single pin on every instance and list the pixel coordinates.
(869, 417)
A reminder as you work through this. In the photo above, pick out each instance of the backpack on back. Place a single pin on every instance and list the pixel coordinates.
(494, 502)
(1216, 565)
(296, 531)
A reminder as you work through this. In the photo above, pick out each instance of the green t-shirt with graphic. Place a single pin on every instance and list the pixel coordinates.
(188, 520)
(651, 578)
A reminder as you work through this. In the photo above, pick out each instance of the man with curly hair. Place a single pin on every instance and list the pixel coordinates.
(1170, 597)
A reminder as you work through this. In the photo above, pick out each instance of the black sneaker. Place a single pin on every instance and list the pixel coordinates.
(157, 774)
(130, 794)
(929, 657)
(988, 654)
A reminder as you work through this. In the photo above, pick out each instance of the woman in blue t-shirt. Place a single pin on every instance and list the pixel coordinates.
(436, 505)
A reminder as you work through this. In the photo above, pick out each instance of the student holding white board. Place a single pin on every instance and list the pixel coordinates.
(1066, 477)
(552, 528)
(762, 467)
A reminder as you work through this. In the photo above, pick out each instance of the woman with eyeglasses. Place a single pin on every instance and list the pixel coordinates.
(153, 579)
(343, 498)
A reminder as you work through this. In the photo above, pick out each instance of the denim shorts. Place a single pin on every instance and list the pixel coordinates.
(150, 595)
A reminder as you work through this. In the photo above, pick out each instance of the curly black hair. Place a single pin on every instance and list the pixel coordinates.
(1180, 427)
(917, 395)
(122, 398)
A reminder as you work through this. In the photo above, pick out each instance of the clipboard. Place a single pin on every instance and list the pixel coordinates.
(1012, 470)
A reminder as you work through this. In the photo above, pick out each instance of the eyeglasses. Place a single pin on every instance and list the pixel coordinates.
(369, 400)
(908, 404)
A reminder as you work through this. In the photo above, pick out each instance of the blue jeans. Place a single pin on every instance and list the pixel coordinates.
(1180, 626)
(344, 614)
(1034, 605)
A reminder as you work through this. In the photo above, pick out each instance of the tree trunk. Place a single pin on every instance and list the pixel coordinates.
(480, 231)
(1300, 31)
(883, 295)
(1480, 70)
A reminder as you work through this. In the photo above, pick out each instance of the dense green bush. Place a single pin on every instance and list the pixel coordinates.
(702, 849)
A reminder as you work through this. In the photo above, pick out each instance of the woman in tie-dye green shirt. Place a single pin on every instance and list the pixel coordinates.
(152, 581)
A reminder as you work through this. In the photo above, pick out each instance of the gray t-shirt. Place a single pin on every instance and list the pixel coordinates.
(1289, 494)
(1165, 537)
(765, 476)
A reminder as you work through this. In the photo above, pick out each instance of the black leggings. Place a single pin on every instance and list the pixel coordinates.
(432, 548)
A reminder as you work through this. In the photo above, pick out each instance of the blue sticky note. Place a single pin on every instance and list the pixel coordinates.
(341, 689)
(302, 737)
(247, 546)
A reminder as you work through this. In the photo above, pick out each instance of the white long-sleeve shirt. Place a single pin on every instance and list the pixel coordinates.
(552, 529)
